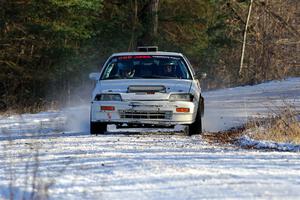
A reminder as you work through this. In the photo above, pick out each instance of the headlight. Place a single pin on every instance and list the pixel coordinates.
(108, 97)
(181, 97)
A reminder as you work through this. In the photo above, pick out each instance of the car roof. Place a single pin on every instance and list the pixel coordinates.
(158, 53)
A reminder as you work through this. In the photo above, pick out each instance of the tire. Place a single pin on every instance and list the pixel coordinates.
(196, 127)
(98, 128)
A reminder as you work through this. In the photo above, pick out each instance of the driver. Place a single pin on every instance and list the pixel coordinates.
(169, 69)
(129, 72)
(126, 71)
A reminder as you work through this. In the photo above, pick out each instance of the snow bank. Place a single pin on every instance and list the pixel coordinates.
(246, 141)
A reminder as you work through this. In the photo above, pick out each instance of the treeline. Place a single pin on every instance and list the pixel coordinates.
(48, 47)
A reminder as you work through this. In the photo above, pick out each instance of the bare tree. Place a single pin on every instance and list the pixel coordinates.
(245, 38)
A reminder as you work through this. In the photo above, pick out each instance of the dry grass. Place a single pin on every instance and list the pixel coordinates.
(283, 127)
(224, 137)
(35, 108)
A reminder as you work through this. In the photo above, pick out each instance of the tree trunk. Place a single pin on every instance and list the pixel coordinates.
(149, 20)
(154, 12)
(245, 38)
(134, 24)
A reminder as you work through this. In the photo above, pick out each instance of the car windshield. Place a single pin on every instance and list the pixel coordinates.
(146, 67)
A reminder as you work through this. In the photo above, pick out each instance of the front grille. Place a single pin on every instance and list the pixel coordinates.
(135, 114)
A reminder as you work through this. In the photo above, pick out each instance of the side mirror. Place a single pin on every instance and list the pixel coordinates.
(201, 75)
(94, 76)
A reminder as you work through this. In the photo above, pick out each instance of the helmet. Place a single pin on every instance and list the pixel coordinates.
(170, 66)
(125, 69)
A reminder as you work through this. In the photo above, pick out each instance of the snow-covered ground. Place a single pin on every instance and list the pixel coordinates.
(147, 164)
(246, 141)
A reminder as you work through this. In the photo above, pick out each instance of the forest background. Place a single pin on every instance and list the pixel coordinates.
(48, 47)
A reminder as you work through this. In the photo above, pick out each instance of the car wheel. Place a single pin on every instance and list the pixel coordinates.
(196, 127)
(98, 128)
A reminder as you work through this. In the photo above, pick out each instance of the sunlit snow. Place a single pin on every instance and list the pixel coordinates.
(147, 164)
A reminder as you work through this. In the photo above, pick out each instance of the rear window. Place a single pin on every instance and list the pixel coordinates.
(146, 67)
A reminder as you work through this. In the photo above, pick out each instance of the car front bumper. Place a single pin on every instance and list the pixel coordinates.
(144, 112)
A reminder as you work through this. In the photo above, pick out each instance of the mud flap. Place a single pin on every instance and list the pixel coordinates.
(186, 130)
(202, 106)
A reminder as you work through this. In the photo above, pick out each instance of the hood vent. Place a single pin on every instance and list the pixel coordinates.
(146, 89)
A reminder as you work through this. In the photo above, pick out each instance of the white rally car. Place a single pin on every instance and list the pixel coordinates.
(146, 89)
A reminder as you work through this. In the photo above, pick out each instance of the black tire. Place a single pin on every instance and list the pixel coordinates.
(196, 127)
(98, 128)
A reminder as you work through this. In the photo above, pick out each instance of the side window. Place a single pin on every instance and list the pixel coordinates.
(108, 70)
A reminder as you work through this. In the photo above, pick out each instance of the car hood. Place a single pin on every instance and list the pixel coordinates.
(121, 86)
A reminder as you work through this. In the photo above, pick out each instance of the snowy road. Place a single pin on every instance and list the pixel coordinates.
(150, 165)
